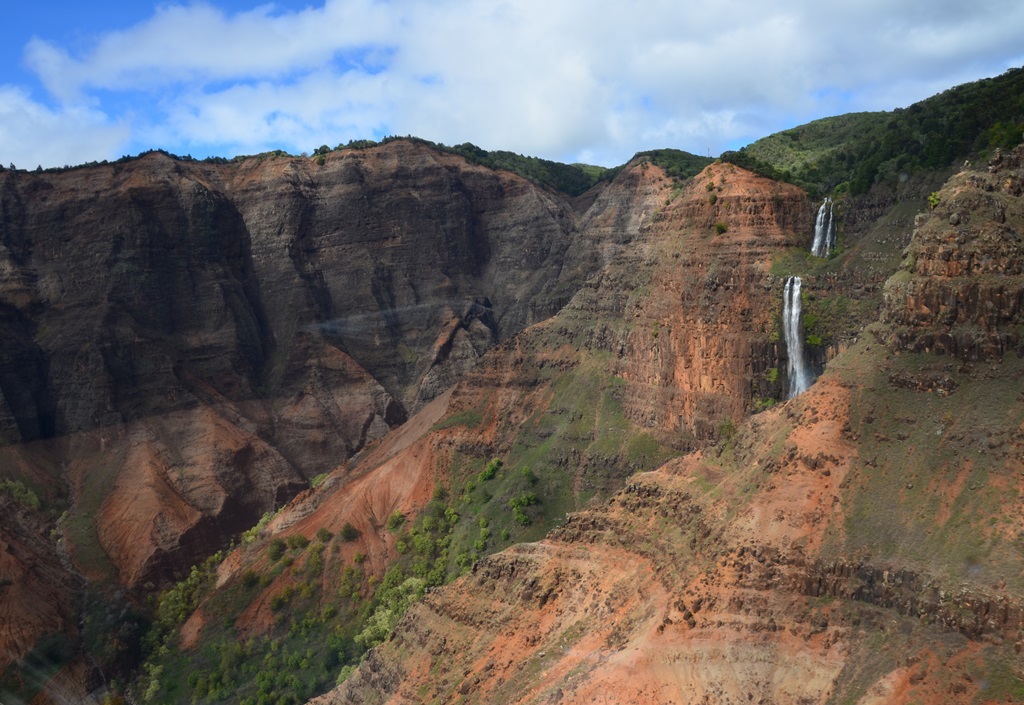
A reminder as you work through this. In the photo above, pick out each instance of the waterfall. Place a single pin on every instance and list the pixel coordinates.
(824, 230)
(792, 324)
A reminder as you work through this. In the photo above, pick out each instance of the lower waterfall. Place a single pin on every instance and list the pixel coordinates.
(792, 325)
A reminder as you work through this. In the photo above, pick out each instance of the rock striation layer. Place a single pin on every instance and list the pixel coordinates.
(691, 312)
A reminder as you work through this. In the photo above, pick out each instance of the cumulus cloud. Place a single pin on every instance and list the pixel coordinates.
(32, 134)
(562, 80)
(320, 107)
(200, 43)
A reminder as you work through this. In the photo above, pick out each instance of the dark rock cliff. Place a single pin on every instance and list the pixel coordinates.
(195, 341)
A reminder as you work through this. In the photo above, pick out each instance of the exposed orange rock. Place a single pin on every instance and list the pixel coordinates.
(702, 334)
(158, 486)
(403, 479)
(204, 339)
(674, 593)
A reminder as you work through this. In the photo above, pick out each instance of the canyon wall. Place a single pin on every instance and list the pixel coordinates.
(187, 345)
(193, 343)
(859, 543)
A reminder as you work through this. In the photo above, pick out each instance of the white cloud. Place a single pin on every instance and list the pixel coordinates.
(320, 107)
(32, 134)
(198, 43)
(559, 80)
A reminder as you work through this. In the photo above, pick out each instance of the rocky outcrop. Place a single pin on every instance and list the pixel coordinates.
(214, 274)
(548, 386)
(689, 310)
(962, 292)
(860, 539)
(388, 249)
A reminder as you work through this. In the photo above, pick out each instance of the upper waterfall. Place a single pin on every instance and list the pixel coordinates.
(792, 326)
(824, 230)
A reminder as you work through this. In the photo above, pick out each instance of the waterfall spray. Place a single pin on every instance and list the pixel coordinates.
(824, 230)
(792, 323)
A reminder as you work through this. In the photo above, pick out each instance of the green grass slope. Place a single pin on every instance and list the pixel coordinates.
(857, 150)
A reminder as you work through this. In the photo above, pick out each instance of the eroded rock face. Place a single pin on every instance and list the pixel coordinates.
(830, 550)
(559, 623)
(38, 594)
(529, 385)
(342, 298)
(963, 291)
(703, 342)
(687, 307)
(751, 573)
(196, 341)
(387, 249)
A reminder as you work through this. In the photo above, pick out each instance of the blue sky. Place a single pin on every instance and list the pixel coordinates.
(566, 79)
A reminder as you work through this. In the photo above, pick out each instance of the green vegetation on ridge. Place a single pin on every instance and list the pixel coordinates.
(329, 610)
(20, 493)
(857, 150)
(572, 179)
(679, 165)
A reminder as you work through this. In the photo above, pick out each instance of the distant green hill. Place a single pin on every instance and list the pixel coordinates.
(846, 153)
(855, 151)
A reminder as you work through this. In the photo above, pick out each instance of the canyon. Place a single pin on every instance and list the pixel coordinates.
(405, 428)
(810, 557)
